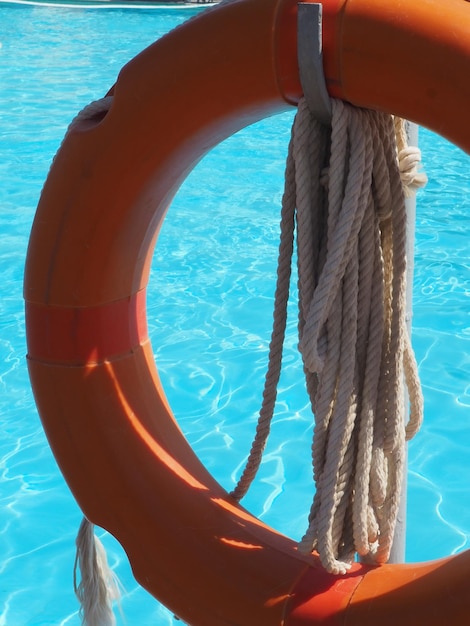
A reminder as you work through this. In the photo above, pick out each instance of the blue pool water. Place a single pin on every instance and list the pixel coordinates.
(210, 307)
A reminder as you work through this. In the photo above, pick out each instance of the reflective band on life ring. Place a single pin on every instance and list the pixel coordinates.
(90, 360)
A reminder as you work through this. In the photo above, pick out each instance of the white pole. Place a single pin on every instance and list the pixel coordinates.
(397, 553)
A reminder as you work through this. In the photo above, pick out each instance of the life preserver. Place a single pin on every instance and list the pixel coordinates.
(90, 360)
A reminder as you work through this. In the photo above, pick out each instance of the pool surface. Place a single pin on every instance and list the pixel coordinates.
(209, 313)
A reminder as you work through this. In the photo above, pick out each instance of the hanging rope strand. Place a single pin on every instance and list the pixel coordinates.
(277, 338)
(99, 587)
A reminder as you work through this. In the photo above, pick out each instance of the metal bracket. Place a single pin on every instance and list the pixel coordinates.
(309, 53)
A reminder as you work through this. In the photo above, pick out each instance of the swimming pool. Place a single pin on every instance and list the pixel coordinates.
(210, 303)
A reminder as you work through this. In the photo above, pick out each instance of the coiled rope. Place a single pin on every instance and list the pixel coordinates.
(345, 198)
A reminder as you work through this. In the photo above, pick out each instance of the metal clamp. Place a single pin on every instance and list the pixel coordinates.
(309, 53)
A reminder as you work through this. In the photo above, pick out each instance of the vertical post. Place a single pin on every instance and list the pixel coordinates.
(397, 554)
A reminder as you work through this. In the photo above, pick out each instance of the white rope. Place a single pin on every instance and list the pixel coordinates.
(409, 160)
(277, 339)
(99, 587)
(345, 189)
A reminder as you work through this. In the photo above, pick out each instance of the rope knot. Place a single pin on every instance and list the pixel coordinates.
(409, 160)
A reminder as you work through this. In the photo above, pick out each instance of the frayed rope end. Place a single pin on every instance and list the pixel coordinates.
(98, 586)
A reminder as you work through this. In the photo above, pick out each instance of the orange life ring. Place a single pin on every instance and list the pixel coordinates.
(90, 360)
